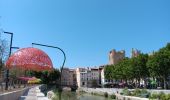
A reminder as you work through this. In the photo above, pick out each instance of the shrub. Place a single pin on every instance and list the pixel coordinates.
(95, 93)
(168, 97)
(106, 94)
(113, 96)
(144, 93)
(160, 96)
(153, 96)
(140, 93)
(126, 91)
(136, 92)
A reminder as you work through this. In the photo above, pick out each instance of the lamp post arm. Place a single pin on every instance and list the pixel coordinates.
(61, 69)
(56, 48)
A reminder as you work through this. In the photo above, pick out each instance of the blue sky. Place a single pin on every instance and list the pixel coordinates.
(87, 29)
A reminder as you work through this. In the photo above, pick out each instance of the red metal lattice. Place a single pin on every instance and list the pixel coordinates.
(30, 59)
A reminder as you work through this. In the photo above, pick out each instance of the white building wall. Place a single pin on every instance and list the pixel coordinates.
(102, 77)
(85, 76)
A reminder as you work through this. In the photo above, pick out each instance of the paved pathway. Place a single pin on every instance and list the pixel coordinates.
(34, 94)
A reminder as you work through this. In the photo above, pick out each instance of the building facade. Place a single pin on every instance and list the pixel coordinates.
(103, 79)
(87, 77)
(68, 77)
(73, 77)
(116, 56)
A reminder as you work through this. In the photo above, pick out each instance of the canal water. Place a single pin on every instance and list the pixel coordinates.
(79, 96)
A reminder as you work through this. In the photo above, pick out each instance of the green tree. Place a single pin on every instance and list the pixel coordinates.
(120, 71)
(125, 70)
(54, 75)
(47, 77)
(139, 68)
(159, 64)
(108, 71)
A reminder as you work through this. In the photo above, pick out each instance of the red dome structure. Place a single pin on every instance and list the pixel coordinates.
(30, 59)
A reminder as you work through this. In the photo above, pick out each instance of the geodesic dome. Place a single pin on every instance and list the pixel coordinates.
(30, 59)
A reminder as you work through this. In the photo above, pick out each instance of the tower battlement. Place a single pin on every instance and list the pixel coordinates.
(116, 56)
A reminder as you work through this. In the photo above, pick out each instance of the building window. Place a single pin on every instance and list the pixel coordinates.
(83, 83)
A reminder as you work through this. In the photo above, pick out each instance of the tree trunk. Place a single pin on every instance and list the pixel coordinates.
(139, 83)
(126, 83)
(144, 82)
(164, 80)
(136, 83)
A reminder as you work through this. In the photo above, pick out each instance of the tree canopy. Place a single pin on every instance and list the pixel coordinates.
(143, 66)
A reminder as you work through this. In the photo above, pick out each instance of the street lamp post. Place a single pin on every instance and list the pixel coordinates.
(61, 51)
(7, 71)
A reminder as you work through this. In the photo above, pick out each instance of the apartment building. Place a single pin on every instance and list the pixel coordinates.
(68, 77)
(87, 77)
